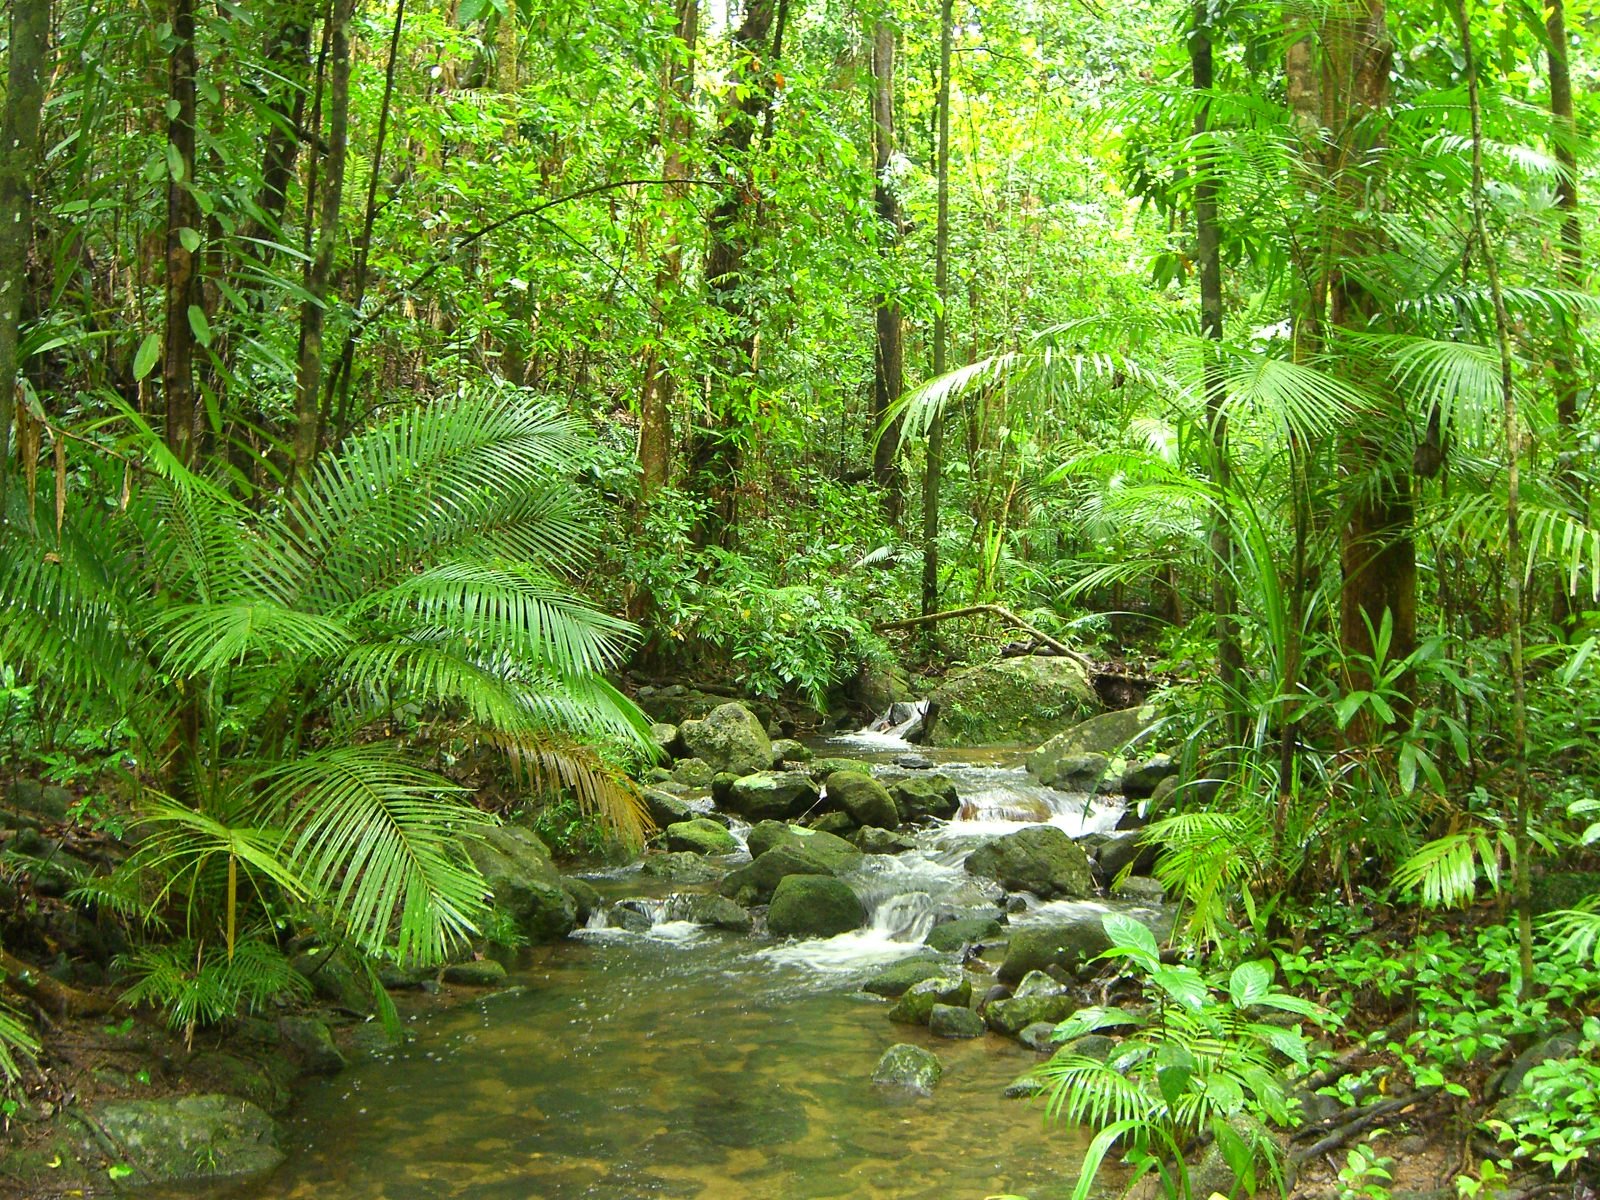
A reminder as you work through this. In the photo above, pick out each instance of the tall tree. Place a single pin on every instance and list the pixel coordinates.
(888, 374)
(934, 467)
(319, 272)
(716, 445)
(675, 128)
(183, 236)
(19, 137)
(1230, 656)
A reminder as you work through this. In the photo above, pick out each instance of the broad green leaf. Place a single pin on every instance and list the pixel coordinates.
(199, 325)
(1249, 982)
(1130, 935)
(1183, 985)
(144, 359)
(189, 239)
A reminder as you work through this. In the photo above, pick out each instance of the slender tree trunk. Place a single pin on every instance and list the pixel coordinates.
(660, 385)
(941, 322)
(888, 376)
(1230, 656)
(183, 233)
(308, 383)
(288, 50)
(1569, 274)
(28, 66)
(716, 446)
(505, 49)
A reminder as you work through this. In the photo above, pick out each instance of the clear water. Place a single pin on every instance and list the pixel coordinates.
(683, 1062)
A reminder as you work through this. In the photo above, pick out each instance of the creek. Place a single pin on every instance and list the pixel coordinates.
(678, 1061)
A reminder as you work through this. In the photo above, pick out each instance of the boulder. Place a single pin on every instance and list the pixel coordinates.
(1065, 945)
(1121, 850)
(925, 797)
(585, 896)
(787, 750)
(719, 913)
(700, 836)
(755, 883)
(481, 972)
(336, 977)
(877, 688)
(1010, 1017)
(1040, 1036)
(38, 803)
(188, 1138)
(312, 1043)
(1141, 889)
(730, 739)
(872, 840)
(916, 1003)
(821, 768)
(681, 867)
(909, 1067)
(1040, 859)
(772, 795)
(1551, 1049)
(866, 800)
(1010, 702)
(692, 773)
(665, 808)
(837, 823)
(954, 1021)
(963, 931)
(894, 979)
(1142, 778)
(526, 886)
(664, 737)
(835, 853)
(813, 906)
(915, 762)
(1088, 749)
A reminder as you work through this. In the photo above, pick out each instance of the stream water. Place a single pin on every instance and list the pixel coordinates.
(685, 1062)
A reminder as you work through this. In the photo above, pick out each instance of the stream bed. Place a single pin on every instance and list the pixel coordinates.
(684, 1062)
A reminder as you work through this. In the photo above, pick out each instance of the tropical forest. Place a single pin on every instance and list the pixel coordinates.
(799, 599)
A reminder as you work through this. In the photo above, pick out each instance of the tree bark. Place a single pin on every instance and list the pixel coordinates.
(1569, 274)
(505, 49)
(308, 382)
(941, 323)
(289, 50)
(660, 385)
(183, 221)
(888, 376)
(716, 446)
(1224, 605)
(19, 152)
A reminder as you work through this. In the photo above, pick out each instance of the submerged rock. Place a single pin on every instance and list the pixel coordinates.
(872, 840)
(730, 739)
(909, 1067)
(484, 972)
(700, 836)
(682, 866)
(719, 913)
(915, 1005)
(813, 906)
(1010, 702)
(1066, 944)
(787, 750)
(772, 795)
(894, 979)
(1040, 859)
(954, 1021)
(866, 800)
(963, 931)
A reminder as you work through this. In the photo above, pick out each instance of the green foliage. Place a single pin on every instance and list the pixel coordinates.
(1555, 1119)
(1203, 1062)
(198, 984)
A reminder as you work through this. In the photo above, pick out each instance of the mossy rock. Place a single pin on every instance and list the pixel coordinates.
(813, 906)
(893, 980)
(820, 768)
(484, 972)
(835, 853)
(681, 866)
(925, 797)
(729, 739)
(963, 931)
(1075, 759)
(866, 800)
(526, 885)
(186, 1139)
(954, 1021)
(1040, 859)
(772, 795)
(915, 1005)
(755, 883)
(700, 836)
(909, 1067)
(1015, 701)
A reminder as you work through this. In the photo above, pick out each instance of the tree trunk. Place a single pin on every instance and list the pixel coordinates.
(308, 383)
(1378, 554)
(1569, 274)
(19, 135)
(183, 226)
(716, 446)
(888, 376)
(660, 385)
(505, 49)
(941, 322)
(288, 50)
(1230, 656)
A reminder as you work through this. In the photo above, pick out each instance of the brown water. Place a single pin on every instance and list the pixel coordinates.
(634, 1066)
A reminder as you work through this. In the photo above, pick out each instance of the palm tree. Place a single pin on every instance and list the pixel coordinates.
(266, 662)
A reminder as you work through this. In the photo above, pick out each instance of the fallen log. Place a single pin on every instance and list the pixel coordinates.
(991, 610)
(49, 993)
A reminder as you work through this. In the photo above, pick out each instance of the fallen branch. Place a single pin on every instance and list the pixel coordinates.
(1363, 1119)
(50, 993)
(993, 610)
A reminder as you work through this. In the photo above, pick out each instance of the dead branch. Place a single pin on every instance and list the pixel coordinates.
(993, 610)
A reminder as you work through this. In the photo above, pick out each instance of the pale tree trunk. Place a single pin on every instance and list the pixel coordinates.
(308, 382)
(1224, 605)
(505, 49)
(941, 323)
(660, 385)
(888, 376)
(183, 226)
(19, 152)
(1569, 275)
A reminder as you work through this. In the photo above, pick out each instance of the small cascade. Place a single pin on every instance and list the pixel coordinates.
(666, 918)
(894, 730)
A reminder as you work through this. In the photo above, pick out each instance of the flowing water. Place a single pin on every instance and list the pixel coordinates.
(677, 1061)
